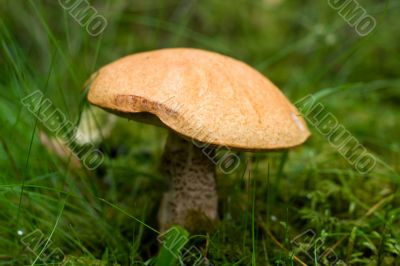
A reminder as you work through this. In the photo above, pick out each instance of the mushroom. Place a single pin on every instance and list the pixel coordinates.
(88, 132)
(206, 100)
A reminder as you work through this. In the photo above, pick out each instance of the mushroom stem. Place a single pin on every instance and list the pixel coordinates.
(192, 200)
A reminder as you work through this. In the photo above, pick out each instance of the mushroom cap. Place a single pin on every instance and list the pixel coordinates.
(201, 95)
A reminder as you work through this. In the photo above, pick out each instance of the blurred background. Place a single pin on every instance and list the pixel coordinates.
(307, 206)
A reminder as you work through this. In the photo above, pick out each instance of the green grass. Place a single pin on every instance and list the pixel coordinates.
(108, 216)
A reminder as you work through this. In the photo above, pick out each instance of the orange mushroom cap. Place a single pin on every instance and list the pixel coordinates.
(201, 95)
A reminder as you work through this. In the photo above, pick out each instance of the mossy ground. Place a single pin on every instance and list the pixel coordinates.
(308, 205)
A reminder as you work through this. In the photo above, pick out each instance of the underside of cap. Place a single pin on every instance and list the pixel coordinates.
(200, 95)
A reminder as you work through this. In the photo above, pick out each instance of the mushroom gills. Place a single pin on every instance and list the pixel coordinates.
(191, 200)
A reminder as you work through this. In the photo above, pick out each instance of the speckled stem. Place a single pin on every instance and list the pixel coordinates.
(192, 199)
